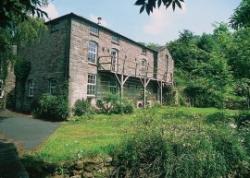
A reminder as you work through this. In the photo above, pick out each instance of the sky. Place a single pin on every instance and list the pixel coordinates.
(162, 26)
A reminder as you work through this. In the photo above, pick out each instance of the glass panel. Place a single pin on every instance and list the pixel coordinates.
(94, 30)
(31, 88)
(91, 88)
(92, 52)
(115, 39)
(52, 86)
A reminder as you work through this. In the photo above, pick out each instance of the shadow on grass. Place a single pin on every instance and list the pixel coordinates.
(10, 165)
(37, 168)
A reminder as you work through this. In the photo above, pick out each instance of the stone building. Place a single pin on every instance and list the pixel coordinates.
(83, 59)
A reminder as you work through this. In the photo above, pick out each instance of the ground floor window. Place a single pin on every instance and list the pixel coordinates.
(1, 89)
(52, 86)
(31, 88)
(91, 90)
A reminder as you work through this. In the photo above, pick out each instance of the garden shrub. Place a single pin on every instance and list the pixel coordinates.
(113, 104)
(219, 118)
(242, 121)
(51, 107)
(171, 150)
(82, 107)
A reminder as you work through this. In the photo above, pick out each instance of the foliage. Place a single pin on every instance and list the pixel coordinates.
(161, 148)
(82, 107)
(100, 134)
(51, 107)
(239, 54)
(114, 104)
(150, 5)
(15, 11)
(212, 70)
(243, 119)
(241, 16)
(22, 69)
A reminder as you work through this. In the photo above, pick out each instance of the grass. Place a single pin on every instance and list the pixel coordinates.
(98, 134)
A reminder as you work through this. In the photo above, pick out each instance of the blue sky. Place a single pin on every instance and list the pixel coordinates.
(160, 27)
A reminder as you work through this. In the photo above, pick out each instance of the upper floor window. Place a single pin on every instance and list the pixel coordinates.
(1, 89)
(92, 52)
(31, 88)
(115, 39)
(52, 86)
(144, 51)
(143, 65)
(114, 59)
(91, 88)
(94, 31)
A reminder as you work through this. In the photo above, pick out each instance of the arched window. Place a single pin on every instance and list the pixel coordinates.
(92, 52)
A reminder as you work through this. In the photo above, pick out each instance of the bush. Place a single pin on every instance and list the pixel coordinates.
(171, 150)
(113, 104)
(242, 119)
(51, 107)
(82, 107)
(219, 118)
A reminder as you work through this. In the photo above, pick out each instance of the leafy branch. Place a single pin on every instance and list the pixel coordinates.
(150, 5)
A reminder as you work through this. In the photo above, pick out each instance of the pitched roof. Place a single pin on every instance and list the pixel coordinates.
(74, 16)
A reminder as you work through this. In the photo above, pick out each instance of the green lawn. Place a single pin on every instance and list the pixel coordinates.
(98, 134)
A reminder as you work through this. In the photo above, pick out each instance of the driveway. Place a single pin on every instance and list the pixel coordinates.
(25, 130)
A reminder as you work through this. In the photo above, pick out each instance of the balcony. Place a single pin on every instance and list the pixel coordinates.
(133, 68)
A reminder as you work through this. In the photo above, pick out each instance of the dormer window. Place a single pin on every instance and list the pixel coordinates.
(94, 31)
(115, 39)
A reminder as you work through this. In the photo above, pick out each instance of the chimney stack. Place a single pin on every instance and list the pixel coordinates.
(99, 20)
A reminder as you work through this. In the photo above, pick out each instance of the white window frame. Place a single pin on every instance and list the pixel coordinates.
(1, 89)
(91, 83)
(31, 88)
(92, 50)
(52, 86)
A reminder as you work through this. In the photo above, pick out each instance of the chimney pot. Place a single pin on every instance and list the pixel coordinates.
(99, 20)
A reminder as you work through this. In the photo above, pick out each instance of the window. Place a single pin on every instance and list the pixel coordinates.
(1, 89)
(92, 52)
(143, 66)
(91, 90)
(115, 39)
(31, 88)
(114, 59)
(94, 31)
(52, 86)
(144, 51)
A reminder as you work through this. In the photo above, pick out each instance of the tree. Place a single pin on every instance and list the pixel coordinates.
(17, 26)
(14, 11)
(241, 16)
(150, 5)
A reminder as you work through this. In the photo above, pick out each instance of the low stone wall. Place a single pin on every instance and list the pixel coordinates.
(87, 168)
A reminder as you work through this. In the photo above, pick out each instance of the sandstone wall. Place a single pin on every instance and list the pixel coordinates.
(49, 60)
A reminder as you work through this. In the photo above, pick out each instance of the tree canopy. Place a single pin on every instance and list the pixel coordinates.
(150, 5)
(241, 16)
